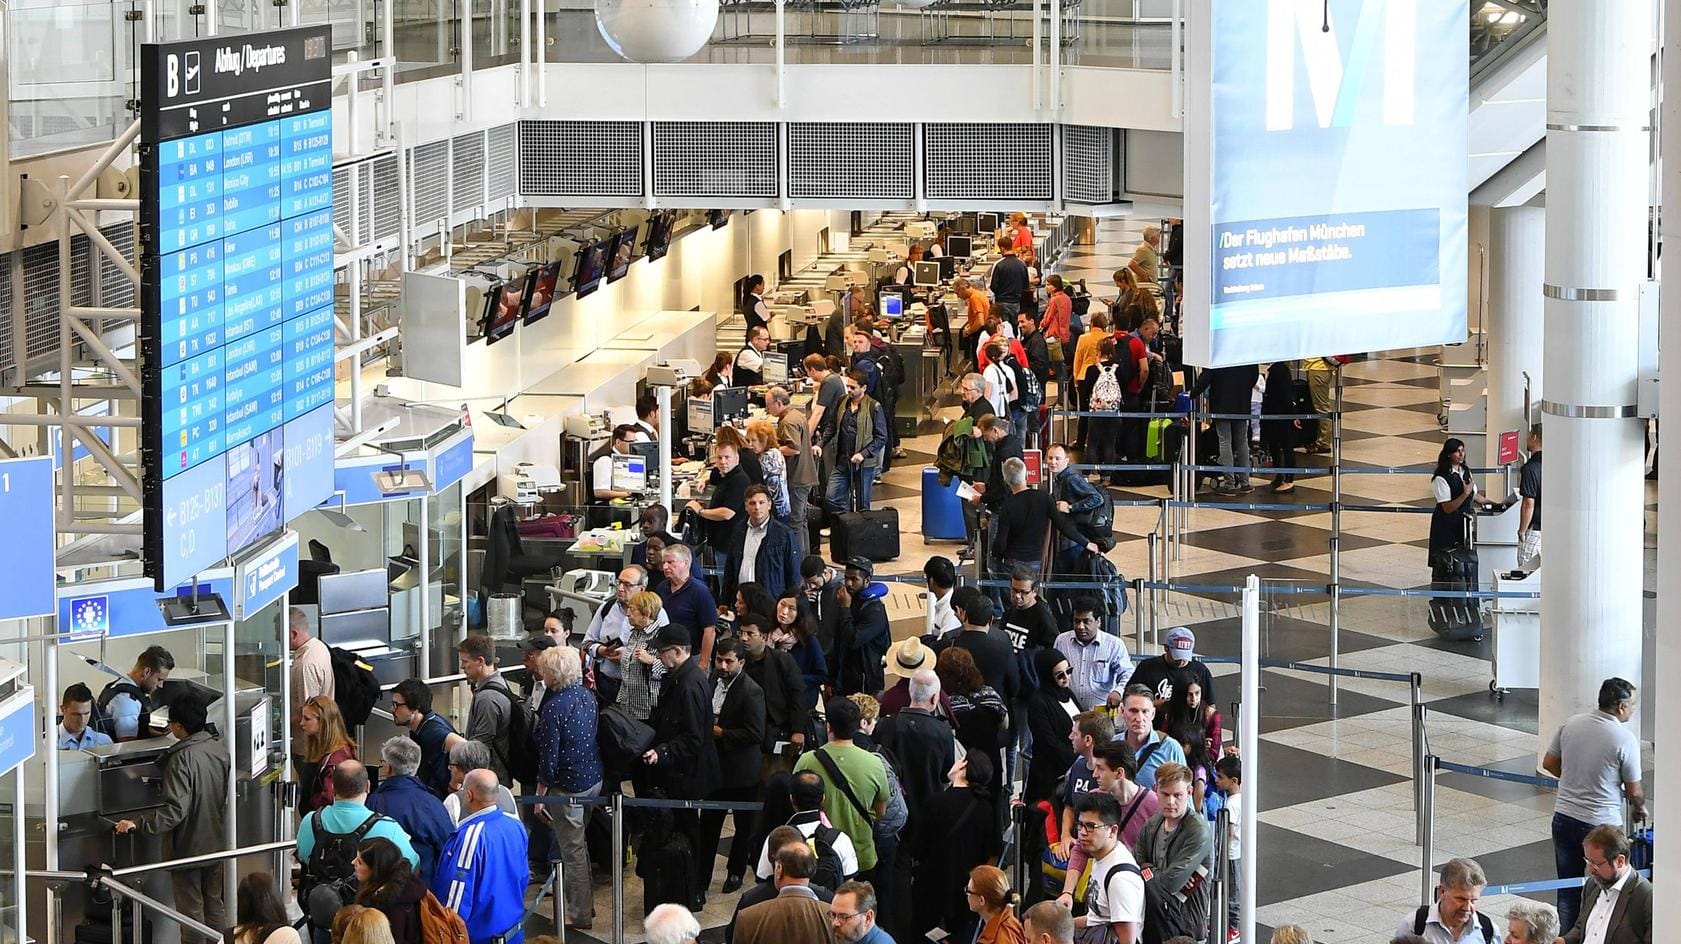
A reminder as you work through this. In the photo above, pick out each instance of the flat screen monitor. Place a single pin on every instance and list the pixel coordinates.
(592, 265)
(961, 247)
(623, 251)
(630, 473)
(501, 310)
(775, 369)
(892, 305)
(697, 413)
(659, 233)
(729, 403)
(964, 224)
(986, 222)
(926, 273)
(650, 453)
(539, 291)
(948, 266)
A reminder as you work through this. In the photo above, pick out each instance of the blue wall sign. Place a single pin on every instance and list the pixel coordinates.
(18, 732)
(266, 576)
(26, 554)
(128, 607)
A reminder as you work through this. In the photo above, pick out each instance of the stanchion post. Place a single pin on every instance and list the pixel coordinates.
(559, 898)
(1336, 534)
(618, 868)
(1417, 717)
(1427, 883)
(1138, 616)
(1248, 747)
(1223, 874)
(1150, 554)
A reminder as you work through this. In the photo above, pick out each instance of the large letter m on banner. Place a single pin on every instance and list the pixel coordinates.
(1385, 40)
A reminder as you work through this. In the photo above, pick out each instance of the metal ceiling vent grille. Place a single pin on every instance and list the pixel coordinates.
(341, 195)
(503, 166)
(835, 161)
(468, 157)
(115, 290)
(715, 159)
(987, 161)
(429, 180)
(387, 199)
(365, 202)
(1088, 164)
(6, 360)
(40, 292)
(580, 158)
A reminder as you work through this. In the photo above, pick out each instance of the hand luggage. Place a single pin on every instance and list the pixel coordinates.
(1155, 435)
(1302, 396)
(1455, 618)
(869, 534)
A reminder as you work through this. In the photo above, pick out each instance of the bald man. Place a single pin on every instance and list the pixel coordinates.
(483, 871)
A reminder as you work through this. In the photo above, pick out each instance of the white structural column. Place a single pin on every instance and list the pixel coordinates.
(1665, 702)
(1516, 242)
(1598, 105)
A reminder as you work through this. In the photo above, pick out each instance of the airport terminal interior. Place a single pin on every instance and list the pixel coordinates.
(835, 471)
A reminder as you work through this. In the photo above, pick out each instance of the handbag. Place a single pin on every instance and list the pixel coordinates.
(1053, 347)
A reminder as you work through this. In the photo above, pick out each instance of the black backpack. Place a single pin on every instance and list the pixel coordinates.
(892, 366)
(1029, 392)
(829, 874)
(1422, 917)
(521, 760)
(329, 877)
(102, 720)
(355, 687)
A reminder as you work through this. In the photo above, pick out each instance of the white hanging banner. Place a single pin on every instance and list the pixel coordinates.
(1325, 162)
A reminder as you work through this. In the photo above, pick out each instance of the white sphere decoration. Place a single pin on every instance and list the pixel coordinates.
(656, 30)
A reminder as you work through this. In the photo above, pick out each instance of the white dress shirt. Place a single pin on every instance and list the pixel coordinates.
(941, 619)
(1599, 919)
(755, 536)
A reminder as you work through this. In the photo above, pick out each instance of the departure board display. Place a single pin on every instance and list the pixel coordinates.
(237, 279)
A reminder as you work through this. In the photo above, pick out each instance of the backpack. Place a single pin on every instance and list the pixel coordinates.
(329, 877)
(1107, 392)
(439, 925)
(355, 687)
(1030, 392)
(893, 818)
(1422, 917)
(622, 738)
(522, 744)
(105, 723)
(892, 365)
(829, 873)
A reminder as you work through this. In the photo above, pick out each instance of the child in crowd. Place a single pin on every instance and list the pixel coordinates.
(1228, 776)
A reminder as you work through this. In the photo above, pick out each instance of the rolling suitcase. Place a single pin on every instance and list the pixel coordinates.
(1455, 618)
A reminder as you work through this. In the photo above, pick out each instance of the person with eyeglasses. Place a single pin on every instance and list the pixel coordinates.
(853, 915)
(610, 628)
(1100, 661)
(1115, 891)
(411, 708)
(684, 759)
(1050, 719)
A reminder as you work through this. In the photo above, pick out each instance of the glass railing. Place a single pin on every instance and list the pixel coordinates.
(71, 65)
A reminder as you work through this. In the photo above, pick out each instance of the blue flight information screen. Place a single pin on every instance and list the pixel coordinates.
(237, 326)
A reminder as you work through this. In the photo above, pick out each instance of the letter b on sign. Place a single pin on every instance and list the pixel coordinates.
(172, 75)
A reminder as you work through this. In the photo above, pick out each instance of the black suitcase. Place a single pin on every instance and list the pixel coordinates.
(666, 874)
(1455, 618)
(873, 535)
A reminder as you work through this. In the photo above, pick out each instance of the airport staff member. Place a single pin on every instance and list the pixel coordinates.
(601, 470)
(749, 368)
(647, 418)
(1529, 514)
(193, 814)
(753, 306)
(74, 734)
(125, 705)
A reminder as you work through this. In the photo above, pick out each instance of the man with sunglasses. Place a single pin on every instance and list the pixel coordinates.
(1115, 891)
(1100, 661)
(684, 761)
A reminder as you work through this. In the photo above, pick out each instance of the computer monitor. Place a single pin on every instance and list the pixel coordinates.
(775, 369)
(891, 305)
(592, 265)
(960, 247)
(986, 222)
(964, 224)
(729, 403)
(540, 291)
(649, 450)
(926, 273)
(501, 310)
(630, 473)
(659, 233)
(621, 253)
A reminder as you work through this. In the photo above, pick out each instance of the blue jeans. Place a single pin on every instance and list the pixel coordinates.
(848, 482)
(1568, 833)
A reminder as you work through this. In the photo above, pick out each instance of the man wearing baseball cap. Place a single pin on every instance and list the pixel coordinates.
(1173, 668)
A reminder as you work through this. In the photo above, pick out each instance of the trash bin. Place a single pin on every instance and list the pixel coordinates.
(942, 510)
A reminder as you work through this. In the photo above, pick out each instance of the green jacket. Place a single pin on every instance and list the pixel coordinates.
(195, 797)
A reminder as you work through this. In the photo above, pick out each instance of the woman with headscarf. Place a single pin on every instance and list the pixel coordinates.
(1050, 717)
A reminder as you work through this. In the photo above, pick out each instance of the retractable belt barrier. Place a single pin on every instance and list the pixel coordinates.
(561, 799)
(1310, 667)
(1490, 773)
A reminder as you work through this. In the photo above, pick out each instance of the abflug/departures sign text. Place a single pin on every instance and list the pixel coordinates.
(232, 61)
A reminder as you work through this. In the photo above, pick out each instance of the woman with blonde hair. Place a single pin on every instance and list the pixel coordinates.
(641, 669)
(355, 924)
(326, 745)
(762, 442)
(990, 898)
